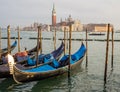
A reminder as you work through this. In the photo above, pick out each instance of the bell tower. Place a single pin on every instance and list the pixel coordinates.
(53, 16)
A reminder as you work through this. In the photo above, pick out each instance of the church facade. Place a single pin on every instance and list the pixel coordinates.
(60, 26)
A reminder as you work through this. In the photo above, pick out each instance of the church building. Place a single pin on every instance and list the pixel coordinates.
(76, 24)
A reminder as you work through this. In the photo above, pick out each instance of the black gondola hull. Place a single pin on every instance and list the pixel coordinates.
(26, 77)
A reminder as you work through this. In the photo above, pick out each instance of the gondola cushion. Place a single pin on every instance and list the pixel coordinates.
(21, 58)
(30, 61)
(47, 58)
(55, 63)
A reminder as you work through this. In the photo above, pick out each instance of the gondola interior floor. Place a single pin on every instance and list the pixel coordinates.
(41, 69)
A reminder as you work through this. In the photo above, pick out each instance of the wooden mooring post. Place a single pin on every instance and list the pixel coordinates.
(8, 41)
(67, 32)
(40, 32)
(107, 50)
(70, 30)
(87, 49)
(54, 38)
(64, 40)
(38, 45)
(112, 48)
(18, 38)
(0, 43)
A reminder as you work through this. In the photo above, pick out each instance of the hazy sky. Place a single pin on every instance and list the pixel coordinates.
(25, 12)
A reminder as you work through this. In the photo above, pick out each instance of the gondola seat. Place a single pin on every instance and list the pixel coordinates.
(55, 64)
(30, 61)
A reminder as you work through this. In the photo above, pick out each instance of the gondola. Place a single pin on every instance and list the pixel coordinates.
(4, 51)
(20, 57)
(4, 68)
(49, 70)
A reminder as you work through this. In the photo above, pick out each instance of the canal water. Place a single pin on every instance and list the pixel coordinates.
(90, 79)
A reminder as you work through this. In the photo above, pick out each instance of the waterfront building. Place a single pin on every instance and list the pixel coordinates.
(97, 27)
(76, 24)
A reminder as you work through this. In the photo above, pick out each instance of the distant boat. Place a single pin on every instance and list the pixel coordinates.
(117, 32)
(96, 33)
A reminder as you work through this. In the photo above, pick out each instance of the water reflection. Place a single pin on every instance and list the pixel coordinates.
(26, 87)
(61, 83)
(6, 84)
(9, 85)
